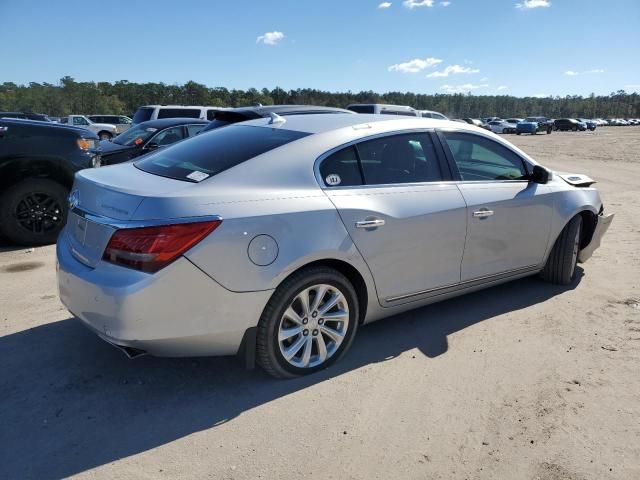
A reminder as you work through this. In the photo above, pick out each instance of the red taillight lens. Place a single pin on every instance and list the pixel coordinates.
(151, 248)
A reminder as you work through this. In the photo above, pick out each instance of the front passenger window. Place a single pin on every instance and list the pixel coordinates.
(482, 159)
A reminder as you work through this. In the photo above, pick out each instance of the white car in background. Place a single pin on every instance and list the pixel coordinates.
(156, 112)
(432, 114)
(502, 126)
(105, 131)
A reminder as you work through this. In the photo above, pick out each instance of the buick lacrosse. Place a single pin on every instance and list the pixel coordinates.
(276, 239)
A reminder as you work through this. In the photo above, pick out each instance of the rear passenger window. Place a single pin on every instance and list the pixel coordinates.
(211, 114)
(179, 113)
(406, 158)
(340, 169)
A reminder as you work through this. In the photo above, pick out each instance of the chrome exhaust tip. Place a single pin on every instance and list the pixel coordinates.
(130, 352)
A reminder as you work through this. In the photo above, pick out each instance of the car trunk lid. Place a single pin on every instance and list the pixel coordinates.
(105, 199)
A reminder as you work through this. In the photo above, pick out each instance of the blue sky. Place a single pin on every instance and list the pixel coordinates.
(516, 47)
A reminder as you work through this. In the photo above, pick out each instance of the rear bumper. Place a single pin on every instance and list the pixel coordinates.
(604, 221)
(178, 311)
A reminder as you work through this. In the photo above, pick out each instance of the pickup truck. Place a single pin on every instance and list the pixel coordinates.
(38, 161)
(534, 125)
(105, 131)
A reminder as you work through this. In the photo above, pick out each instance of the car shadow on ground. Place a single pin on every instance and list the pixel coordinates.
(69, 402)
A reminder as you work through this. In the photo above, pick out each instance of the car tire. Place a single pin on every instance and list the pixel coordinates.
(518, 133)
(275, 336)
(575, 129)
(549, 130)
(561, 264)
(33, 211)
(105, 135)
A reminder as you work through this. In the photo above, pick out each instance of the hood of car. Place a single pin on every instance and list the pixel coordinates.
(112, 147)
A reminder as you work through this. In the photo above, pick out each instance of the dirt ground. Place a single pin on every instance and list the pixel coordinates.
(522, 381)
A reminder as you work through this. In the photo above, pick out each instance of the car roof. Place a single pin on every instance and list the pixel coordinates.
(170, 122)
(320, 123)
(38, 123)
(265, 110)
(178, 106)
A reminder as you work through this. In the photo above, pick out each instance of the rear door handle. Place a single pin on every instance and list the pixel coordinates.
(483, 213)
(370, 223)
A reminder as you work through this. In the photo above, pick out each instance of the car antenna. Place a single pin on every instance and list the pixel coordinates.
(275, 118)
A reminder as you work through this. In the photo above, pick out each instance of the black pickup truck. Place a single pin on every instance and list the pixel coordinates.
(38, 161)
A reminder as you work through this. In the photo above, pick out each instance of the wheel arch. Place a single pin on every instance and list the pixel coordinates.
(17, 169)
(348, 270)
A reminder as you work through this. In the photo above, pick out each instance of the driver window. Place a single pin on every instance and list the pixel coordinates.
(79, 121)
(481, 159)
(168, 136)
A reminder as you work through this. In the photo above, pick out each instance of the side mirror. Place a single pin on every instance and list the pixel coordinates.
(151, 146)
(540, 175)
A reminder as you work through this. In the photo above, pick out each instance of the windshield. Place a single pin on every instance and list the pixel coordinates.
(212, 152)
(142, 114)
(135, 135)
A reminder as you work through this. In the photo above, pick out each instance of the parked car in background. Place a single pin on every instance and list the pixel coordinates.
(157, 112)
(242, 114)
(38, 161)
(533, 125)
(283, 241)
(41, 117)
(384, 109)
(477, 122)
(569, 124)
(105, 131)
(501, 126)
(148, 136)
(432, 114)
(591, 124)
(119, 121)
(514, 121)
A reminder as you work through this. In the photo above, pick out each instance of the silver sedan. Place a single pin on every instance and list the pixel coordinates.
(276, 239)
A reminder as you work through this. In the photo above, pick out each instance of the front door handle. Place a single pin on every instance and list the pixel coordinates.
(375, 223)
(483, 213)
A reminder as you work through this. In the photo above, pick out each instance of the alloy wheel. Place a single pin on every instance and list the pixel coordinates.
(313, 326)
(38, 212)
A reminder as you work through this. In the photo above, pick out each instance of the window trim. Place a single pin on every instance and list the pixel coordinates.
(528, 167)
(447, 176)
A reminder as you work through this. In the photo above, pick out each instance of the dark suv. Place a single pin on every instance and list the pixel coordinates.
(37, 164)
(565, 124)
(242, 114)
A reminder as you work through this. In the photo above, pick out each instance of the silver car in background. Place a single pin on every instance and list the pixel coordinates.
(277, 239)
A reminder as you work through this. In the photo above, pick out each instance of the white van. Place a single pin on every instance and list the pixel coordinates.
(154, 112)
(384, 109)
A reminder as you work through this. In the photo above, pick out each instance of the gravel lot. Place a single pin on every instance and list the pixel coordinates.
(521, 381)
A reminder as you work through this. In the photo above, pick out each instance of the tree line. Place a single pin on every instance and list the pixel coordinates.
(124, 97)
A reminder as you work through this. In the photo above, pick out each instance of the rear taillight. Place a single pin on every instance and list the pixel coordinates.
(151, 248)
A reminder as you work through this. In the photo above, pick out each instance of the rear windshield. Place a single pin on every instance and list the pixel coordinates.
(212, 152)
(361, 108)
(142, 115)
